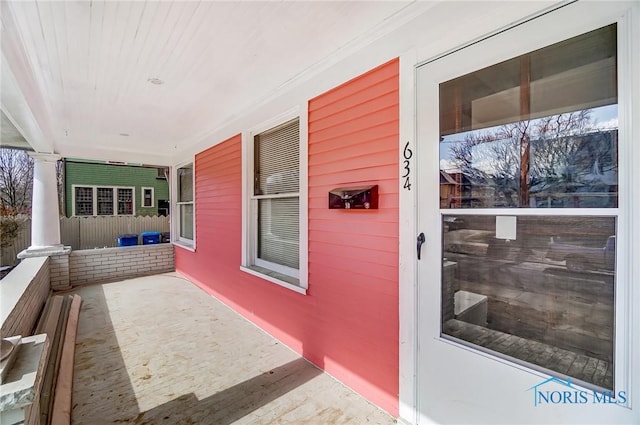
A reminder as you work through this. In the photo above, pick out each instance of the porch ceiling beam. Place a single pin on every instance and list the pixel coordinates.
(21, 98)
(19, 112)
(160, 157)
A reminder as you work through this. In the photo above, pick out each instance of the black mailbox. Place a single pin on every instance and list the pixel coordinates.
(354, 198)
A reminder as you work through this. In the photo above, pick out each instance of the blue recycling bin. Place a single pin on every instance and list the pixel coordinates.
(127, 240)
(149, 238)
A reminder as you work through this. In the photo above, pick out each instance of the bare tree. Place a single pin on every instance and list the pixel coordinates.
(566, 153)
(16, 181)
(60, 184)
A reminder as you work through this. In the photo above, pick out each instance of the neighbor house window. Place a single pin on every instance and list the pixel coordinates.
(147, 197)
(276, 201)
(83, 200)
(185, 202)
(103, 201)
(125, 201)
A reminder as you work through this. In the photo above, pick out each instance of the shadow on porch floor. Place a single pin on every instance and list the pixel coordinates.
(158, 350)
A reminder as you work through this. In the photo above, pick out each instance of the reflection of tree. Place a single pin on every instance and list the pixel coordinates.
(567, 156)
(16, 180)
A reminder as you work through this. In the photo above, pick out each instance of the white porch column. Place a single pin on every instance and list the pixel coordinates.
(45, 219)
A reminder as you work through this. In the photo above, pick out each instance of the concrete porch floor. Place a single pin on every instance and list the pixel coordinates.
(159, 350)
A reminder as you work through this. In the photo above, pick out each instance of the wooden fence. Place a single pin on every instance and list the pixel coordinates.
(88, 232)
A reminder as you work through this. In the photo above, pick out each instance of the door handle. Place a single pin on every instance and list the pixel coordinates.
(421, 240)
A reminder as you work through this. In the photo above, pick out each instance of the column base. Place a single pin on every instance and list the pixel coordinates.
(58, 264)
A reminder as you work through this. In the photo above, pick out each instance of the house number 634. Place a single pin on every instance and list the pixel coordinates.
(407, 154)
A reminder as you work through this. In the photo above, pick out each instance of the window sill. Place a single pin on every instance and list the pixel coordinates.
(275, 277)
(185, 245)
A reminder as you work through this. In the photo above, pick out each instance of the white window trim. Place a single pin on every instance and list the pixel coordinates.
(95, 200)
(249, 205)
(176, 239)
(153, 197)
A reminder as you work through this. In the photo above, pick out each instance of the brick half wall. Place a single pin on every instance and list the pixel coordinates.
(23, 293)
(110, 264)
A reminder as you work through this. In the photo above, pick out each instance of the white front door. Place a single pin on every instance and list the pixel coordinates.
(523, 193)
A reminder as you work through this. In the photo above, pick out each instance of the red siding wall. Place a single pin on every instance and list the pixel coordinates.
(348, 322)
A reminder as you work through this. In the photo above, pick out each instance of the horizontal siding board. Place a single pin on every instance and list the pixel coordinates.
(348, 241)
(352, 263)
(358, 84)
(353, 140)
(220, 150)
(376, 131)
(353, 111)
(222, 182)
(356, 150)
(351, 305)
(355, 258)
(350, 127)
(230, 194)
(357, 158)
(221, 166)
(370, 93)
(345, 341)
(359, 280)
(359, 175)
(356, 225)
(367, 92)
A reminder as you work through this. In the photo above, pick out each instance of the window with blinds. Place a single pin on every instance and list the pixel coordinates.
(276, 195)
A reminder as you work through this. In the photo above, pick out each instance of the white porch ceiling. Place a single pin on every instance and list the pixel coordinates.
(78, 75)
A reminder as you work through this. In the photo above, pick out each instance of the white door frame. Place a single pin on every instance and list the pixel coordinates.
(577, 18)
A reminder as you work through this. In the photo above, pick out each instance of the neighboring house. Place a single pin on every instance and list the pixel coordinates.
(101, 189)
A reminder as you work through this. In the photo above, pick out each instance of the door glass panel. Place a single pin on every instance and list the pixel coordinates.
(537, 131)
(186, 221)
(538, 289)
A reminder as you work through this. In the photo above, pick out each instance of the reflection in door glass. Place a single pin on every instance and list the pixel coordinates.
(572, 163)
(537, 289)
(536, 131)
